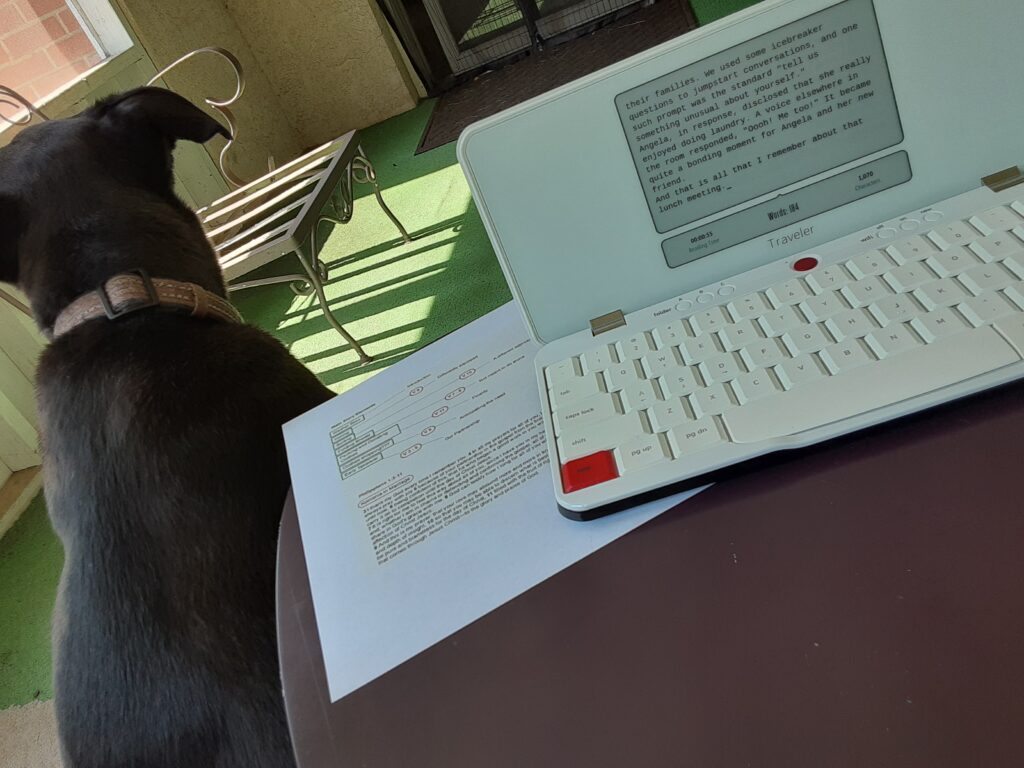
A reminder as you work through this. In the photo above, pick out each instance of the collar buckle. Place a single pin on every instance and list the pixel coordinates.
(152, 298)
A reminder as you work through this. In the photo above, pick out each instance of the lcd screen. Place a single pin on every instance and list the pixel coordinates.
(787, 105)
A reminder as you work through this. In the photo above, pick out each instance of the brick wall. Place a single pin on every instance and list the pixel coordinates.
(42, 47)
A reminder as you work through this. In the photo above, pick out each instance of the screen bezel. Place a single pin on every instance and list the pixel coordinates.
(558, 193)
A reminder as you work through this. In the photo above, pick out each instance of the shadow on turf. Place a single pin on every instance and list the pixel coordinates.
(455, 287)
(467, 285)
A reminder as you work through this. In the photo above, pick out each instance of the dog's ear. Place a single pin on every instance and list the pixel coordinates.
(10, 234)
(172, 115)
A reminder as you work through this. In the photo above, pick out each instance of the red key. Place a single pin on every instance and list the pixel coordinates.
(589, 470)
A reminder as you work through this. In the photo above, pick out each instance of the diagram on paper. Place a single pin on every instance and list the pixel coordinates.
(433, 408)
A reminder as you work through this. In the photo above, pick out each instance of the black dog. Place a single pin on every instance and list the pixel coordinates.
(164, 464)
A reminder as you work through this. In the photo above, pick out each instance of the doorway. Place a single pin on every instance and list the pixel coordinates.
(477, 33)
(488, 92)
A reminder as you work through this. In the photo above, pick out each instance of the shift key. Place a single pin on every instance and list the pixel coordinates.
(580, 413)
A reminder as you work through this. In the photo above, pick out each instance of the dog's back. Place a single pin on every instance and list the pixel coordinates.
(164, 463)
(165, 475)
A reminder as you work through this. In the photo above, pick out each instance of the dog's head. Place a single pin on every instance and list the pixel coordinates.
(73, 192)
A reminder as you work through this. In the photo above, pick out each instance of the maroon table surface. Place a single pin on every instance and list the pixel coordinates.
(862, 605)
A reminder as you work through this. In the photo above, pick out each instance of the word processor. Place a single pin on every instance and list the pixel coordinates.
(795, 223)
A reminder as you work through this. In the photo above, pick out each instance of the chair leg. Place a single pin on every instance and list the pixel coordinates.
(363, 173)
(318, 289)
(300, 285)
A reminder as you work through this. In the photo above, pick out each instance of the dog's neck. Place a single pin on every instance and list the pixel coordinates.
(159, 239)
(126, 294)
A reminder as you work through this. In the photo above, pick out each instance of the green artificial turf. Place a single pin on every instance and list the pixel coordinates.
(30, 561)
(393, 297)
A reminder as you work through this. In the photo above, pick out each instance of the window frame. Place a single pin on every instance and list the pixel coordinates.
(110, 34)
(103, 25)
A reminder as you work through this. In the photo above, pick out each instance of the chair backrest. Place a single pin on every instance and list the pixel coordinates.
(26, 110)
(222, 106)
(11, 98)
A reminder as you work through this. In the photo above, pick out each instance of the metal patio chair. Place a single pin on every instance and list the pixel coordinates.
(279, 213)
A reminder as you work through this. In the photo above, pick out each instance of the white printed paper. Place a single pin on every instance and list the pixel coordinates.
(424, 499)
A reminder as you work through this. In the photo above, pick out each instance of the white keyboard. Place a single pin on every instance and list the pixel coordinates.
(834, 341)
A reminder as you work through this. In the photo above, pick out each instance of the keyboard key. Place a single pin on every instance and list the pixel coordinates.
(679, 383)
(590, 410)
(809, 338)
(941, 293)
(737, 335)
(817, 308)
(996, 218)
(711, 400)
(997, 247)
(977, 224)
(869, 264)
(604, 435)
(753, 385)
(589, 470)
(985, 309)
(953, 262)
(789, 292)
(853, 323)
(1012, 329)
(891, 340)
(937, 324)
(621, 375)
(635, 347)
(953, 234)
(561, 372)
(748, 306)
(986, 277)
(638, 396)
(667, 414)
(797, 371)
(894, 309)
(845, 356)
(909, 276)
(778, 321)
(1015, 293)
(1015, 264)
(709, 320)
(696, 436)
(577, 388)
(640, 452)
(923, 369)
(763, 354)
(865, 291)
(696, 349)
(721, 367)
(596, 359)
(830, 278)
(656, 363)
(670, 334)
(910, 250)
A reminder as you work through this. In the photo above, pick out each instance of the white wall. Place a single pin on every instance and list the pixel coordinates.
(20, 345)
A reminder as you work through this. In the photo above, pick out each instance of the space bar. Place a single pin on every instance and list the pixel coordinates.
(875, 385)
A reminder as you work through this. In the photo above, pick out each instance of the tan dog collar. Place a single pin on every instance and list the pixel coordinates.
(132, 291)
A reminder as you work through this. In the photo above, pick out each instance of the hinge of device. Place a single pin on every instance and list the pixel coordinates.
(608, 322)
(1004, 179)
